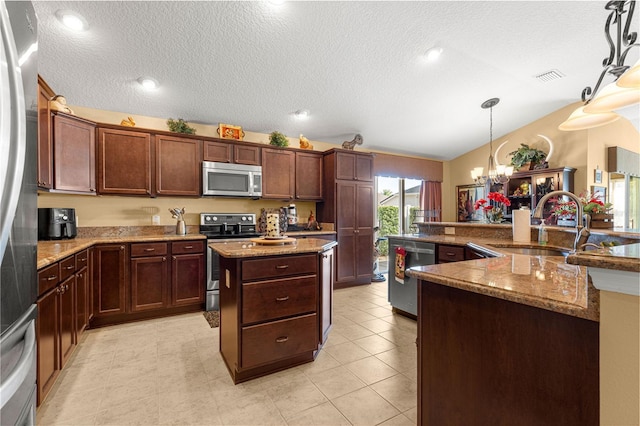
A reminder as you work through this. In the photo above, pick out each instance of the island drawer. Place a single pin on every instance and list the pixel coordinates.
(275, 267)
(447, 253)
(82, 259)
(48, 278)
(267, 300)
(186, 247)
(67, 267)
(148, 249)
(276, 340)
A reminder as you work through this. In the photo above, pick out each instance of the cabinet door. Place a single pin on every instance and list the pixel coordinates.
(90, 299)
(187, 279)
(364, 168)
(149, 288)
(124, 162)
(346, 231)
(325, 309)
(74, 154)
(246, 154)
(220, 152)
(47, 343)
(354, 166)
(364, 231)
(45, 151)
(109, 279)
(278, 171)
(308, 176)
(67, 328)
(177, 166)
(82, 301)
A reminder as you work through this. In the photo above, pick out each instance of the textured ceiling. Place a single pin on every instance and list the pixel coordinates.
(356, 66)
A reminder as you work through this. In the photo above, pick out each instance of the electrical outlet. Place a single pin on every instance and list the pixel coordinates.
(449, 230)
(155, 219)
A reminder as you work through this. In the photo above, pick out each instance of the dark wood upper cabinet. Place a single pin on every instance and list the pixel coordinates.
(246, 154)
(124, 162)
(308, 177)
(178, 166)
(74, 156)
(352, 166)
(45, 144)
(278, 173)
(228, 152)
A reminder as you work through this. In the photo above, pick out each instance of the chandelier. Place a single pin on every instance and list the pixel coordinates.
(625, 90)
(499, 174)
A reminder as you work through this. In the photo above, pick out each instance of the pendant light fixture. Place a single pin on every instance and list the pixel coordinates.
(599, 105)
(499, 174)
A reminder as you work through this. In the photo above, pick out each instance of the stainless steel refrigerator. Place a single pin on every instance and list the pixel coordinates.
(18, 211)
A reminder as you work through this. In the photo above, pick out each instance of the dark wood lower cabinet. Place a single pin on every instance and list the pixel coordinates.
(109, 279)
(82, 301)
(187, 279)
(149, 278)
(487, 361)
(48, 343)
(67, 328)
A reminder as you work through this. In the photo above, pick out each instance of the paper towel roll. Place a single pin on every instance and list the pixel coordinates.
(522, 226)
(273, 225)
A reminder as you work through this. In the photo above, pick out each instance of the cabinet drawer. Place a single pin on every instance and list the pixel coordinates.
(265, 343)
(48, 278)
(148, 249)
(268, 300)
(450, 253)
(67, 267)
(186, 247)
(82, 259)
(279, 267)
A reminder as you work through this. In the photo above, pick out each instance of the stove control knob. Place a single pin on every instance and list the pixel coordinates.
(215, 218)
(207, 218)
(65, 217)
(244, 218)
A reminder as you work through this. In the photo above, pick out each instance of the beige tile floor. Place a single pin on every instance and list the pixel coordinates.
(169, 372)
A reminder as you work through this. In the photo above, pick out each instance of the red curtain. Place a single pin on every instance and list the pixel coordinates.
(431, 201)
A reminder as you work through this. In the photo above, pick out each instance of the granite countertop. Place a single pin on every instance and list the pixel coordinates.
(621, 258)
(239, 249)
(546, 282)
(52, 251)
(305, 233)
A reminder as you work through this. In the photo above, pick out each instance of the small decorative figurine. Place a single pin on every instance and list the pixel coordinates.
(59, 103)
(129, 122)
(304, 142)
(357, 140)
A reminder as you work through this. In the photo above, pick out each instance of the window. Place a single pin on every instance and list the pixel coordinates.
(397, 201)
(625, 197)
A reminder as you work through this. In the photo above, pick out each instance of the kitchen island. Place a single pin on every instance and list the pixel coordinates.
(275, 304)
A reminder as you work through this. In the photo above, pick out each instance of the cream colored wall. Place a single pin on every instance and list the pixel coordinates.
(582, 150)
(619, 359)
(106, 210)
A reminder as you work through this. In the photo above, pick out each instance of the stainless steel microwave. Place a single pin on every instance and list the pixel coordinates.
(232, 180)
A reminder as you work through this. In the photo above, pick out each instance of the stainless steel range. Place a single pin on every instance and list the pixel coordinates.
(219, 227)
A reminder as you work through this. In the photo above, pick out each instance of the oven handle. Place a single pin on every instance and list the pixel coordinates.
(421, 251)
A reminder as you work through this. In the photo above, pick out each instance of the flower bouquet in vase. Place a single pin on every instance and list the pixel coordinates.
(494, 207)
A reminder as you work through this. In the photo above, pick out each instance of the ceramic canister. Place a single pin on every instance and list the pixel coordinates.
(273, 225)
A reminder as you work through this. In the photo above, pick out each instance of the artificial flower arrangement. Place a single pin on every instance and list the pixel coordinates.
(493, 212)
(591, 204)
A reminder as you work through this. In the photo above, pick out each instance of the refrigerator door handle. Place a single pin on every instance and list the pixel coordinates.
(17, 377)
(12, 130)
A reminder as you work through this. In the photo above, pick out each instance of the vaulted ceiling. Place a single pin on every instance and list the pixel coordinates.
(357, 67)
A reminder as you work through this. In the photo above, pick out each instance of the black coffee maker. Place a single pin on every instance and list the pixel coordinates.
(56, 223)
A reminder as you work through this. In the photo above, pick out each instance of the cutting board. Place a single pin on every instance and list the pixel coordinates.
(266, 242)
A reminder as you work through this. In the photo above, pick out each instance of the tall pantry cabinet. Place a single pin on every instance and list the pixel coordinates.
(348, 203)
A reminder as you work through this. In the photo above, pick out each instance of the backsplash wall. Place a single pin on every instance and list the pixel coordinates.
(106, 210)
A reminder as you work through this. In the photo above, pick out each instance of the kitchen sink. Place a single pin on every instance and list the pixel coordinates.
(536, 251)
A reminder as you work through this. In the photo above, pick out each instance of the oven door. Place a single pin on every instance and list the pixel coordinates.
(213, 280)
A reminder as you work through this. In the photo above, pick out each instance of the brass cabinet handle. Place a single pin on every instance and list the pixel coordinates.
(52, 277)
(450, 254)
(282, 299)
(188, 247)
(69, 267)
(164, 259)
(149, 249)
(282, 266)
(83, 259)
(282, 339)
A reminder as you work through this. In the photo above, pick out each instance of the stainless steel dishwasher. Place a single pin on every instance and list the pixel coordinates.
(403, 294)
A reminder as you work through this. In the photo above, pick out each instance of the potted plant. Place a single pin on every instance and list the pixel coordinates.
(525, 154)
(278, 139)
(180, 126)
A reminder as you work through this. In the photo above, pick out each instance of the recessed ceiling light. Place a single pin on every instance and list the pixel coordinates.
(302, 114)
(432, 54)
(277, 2)
(72, 20)
(148, 83)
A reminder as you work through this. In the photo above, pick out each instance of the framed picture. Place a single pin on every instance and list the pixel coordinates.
(227, 131)
(467, 196)
(598, 176)
(601, 191)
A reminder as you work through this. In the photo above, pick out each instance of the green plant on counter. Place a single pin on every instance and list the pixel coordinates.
(180, 126)
(525, 154)
(278, 139)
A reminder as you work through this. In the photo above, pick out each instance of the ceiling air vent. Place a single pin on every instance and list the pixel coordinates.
(550, 75)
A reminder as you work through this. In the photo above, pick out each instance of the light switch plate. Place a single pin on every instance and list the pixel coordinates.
(449, 230)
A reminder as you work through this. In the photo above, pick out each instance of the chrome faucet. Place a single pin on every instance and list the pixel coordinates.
(582, 225)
